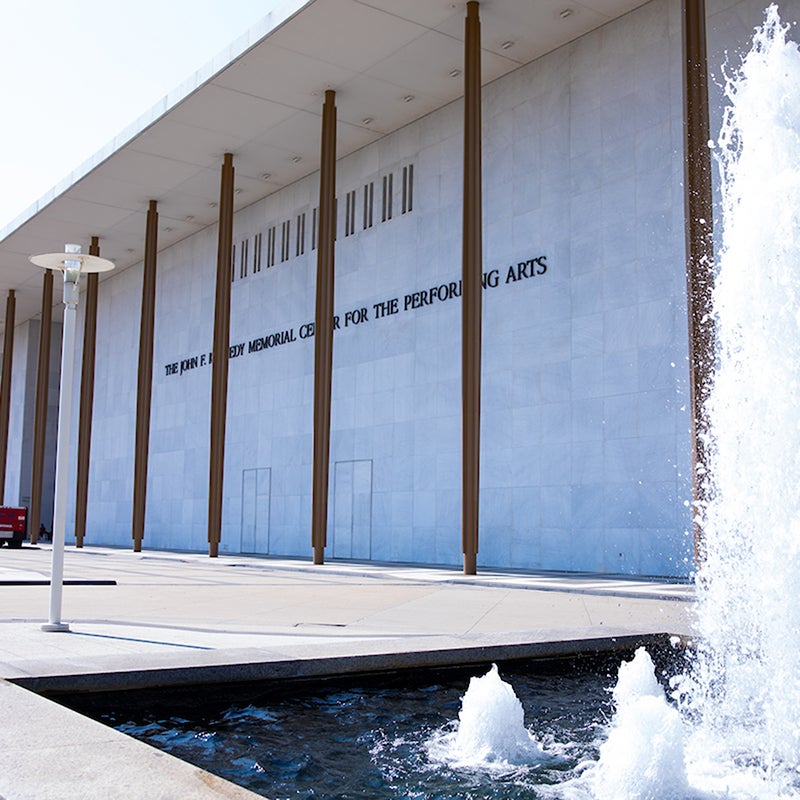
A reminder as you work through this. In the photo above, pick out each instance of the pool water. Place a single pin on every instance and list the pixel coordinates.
(373, 738)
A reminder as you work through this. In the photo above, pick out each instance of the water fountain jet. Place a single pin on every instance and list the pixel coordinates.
(643, 756)
(745, 686)
(491, 733)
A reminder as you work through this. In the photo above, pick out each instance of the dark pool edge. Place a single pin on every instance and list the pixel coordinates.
(336, 666)
(46, 582)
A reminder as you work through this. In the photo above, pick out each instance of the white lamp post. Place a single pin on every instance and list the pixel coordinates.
(71, 262)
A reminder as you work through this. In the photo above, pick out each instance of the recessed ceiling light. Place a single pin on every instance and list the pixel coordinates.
(266, 176)
(237, 191)
(296, 159)
(212, 204)
(567, 12)
(189, 217)
(129, 250)
(367, 121)
(507, 45)
(168, 228)
(454, 73)
(408, 98)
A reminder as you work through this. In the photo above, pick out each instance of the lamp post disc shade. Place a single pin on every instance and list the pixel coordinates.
(57, 261)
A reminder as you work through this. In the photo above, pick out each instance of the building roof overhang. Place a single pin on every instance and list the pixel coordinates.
(389, 61)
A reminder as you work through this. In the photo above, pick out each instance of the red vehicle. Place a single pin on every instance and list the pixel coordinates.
(13, 525)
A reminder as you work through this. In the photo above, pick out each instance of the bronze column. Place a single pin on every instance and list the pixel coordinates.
(87, 398)
(323, 329)
(471, 295)
(145, 384)
(219, 358)
(699, 241)
(5, 387)
(40, 407)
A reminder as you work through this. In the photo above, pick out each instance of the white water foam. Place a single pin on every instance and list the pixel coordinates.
(491, 733)
(643, 756)
(745, 690)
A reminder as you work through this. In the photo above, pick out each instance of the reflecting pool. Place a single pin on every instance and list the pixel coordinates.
(389, 736)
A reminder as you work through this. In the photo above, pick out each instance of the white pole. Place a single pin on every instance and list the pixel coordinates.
(71, 273)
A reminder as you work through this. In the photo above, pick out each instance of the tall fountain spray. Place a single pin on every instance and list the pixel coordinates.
(745, 687)
(740, 698)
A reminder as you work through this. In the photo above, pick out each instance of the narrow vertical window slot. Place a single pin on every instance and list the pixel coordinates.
(384, 205)
(257, 253)
(350, 222)
(243, 259)
(410, 187)
(314, 229)
(389, 194)
(371, 203)
(233, 263)
(285, 238)
(405, 190)
(271, 247)
(300, 244)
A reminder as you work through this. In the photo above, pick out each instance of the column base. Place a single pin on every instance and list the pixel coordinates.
(56, 627)
(470, 563)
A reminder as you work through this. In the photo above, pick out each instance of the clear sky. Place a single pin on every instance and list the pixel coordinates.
(74, 73)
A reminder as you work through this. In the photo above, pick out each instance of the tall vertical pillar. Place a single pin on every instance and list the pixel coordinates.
(145, 384)
(219, 357)
(5, 387)
(472, 269)
(323, 330)
(86, 399)
(699, 239)
(40, 408)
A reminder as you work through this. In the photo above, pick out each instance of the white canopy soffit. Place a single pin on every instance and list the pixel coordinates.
(389, 61)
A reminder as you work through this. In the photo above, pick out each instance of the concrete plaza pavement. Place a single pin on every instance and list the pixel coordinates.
(160, 618)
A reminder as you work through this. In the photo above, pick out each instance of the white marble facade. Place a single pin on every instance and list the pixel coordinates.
(585, 443)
